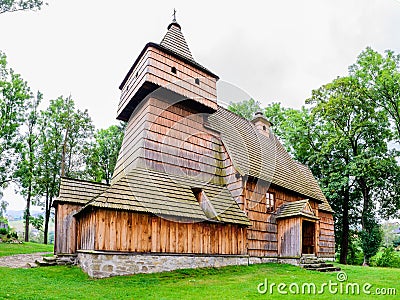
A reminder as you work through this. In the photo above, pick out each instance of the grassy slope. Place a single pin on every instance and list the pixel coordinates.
(11, 249)
(224, 283)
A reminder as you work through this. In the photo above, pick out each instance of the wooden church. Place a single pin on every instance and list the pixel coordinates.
(195, 185)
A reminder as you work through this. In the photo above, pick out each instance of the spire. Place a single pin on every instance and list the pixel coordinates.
(175, 41)
(174, 15)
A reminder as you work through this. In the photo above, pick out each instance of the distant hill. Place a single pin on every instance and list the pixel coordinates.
(19, 214)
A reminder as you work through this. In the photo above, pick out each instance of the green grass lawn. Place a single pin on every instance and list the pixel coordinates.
(226, 283)
(237, 282)
(24, 248)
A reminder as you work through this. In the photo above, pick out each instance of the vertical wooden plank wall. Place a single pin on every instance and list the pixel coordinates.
(65, 243)
(86, 225)
(289, 237)
(134, 232)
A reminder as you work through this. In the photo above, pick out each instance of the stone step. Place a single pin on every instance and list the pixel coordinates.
(326, 269)
(67, 260)
(309, 262)
(44, 263)
(50, 258)
(31, 265)
(315, 266)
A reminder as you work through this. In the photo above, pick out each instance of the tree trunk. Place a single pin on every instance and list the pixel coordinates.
(344, 243)
(46, 226)
(46, 220)
(365, 211)
(366, 262)
(64, 153)
(27, 215)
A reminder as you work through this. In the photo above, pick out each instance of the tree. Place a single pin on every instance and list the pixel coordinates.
(18, 5)
(371, 237)
(64, 138)
(103, 153)
(246, 109)
(37, 222)
(14, 93)
(361, 132)
(27, 165)
(380, 76)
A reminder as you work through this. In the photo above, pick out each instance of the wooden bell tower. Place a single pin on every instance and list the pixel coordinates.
(168, 65)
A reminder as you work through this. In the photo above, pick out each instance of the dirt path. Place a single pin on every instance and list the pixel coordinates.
(20, 260)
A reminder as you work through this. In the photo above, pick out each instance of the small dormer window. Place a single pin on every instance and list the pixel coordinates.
(265, 128)
(173, 70)
(270, 202)
(197, 81)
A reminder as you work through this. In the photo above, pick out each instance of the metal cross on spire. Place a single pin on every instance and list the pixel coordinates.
(174, 15)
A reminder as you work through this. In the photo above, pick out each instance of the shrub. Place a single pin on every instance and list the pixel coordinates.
(389, 258)
(3, 231)
(355, 255)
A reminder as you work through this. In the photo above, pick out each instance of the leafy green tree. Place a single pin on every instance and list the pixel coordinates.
(37, 222)
(361, 132)
(379, 75)
(27, 165)
(18, 5)
(14, 93)
(103, 153)
(371, 237)
(246, 109)
(64, 137)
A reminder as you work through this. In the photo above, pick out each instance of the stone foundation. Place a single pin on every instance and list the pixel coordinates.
(101, 265)
(104, 264)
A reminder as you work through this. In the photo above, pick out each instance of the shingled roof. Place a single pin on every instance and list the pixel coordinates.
(311, 179)
(263, 157)
(144, 190)
(79, 191)
(175, 41)
(296, 208)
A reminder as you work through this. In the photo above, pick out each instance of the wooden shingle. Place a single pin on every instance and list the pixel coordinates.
(259, 156)
(296, 208)
(79, 191)
(159, 193)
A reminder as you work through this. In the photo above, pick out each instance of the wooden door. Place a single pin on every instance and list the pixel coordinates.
(308, 237)
(289, 236)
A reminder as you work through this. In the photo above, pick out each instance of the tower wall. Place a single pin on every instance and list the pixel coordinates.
(157, 68)
(171, 137)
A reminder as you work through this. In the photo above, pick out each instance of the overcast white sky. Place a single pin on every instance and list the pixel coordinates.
(274, 50)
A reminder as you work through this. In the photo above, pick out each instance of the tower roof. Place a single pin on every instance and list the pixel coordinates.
(175, 41)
